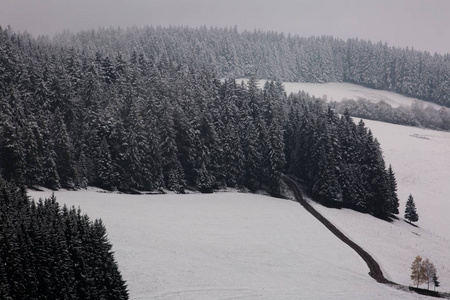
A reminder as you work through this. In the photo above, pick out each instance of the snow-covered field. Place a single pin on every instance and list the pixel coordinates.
(226, 246)
(335, 91)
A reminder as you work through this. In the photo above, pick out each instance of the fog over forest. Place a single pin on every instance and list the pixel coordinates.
(418, 24)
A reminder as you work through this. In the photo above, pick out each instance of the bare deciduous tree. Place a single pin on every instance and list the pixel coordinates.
(418, 275)
(430, 271)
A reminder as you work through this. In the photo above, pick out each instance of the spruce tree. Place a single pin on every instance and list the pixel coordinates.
(249, 140)
(64, 151)
(105, 175)
(231, 155)
(436, 280)
(393, 201)
(12, 160)
(32, 142)
(171, 167)
(410, 210)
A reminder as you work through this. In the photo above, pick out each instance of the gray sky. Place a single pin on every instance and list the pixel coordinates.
(422, 24)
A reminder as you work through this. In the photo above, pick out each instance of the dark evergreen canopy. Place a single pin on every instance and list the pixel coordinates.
(49, 252)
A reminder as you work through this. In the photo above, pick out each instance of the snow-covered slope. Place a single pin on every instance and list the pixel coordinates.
(421, 160)
(336, 91)
(393, 245)
(226, 245)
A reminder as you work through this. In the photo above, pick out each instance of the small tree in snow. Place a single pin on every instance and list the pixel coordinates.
(430, 271)
(410, 210)
(418, 275)
(436, 281)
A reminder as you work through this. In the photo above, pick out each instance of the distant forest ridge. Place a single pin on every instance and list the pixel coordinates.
(271, 55)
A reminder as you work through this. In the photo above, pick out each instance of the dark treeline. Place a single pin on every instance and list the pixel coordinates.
(140, 122)
(417, 114)
(49, 252)
(340, 161)
(270, 55)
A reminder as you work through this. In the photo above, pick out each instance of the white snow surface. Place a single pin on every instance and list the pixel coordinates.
(337, 91)
(226, 246)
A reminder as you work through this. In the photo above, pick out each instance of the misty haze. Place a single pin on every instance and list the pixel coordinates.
(195, 149)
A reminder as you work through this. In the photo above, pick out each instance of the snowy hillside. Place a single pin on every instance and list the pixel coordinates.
(335, 91)
(421, 160)
(226, 245)
(393, 245)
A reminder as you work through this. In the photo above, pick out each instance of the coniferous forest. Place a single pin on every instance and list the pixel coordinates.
(94, 112)
(49, 252)
(271, 55)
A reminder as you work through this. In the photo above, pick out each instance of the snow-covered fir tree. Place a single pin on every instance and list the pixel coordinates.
(410, 210)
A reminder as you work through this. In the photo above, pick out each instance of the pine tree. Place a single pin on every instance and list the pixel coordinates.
(249, 141)
(205, 138)
(273, 156)
(326, 187)
(105, 174)
(410, 210)
(231, 155)
(12, 160)
(108, 283)
(374, 179)
(393, 201)
(33, 162)
(64, 151)
(50, 174)
(350, 177)
(171, 166)
(436, 280)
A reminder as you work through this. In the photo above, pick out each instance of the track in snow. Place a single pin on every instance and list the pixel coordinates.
(375, 270)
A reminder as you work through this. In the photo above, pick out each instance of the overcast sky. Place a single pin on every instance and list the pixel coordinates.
(422, 24)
